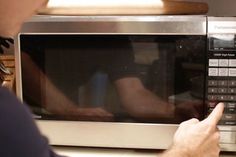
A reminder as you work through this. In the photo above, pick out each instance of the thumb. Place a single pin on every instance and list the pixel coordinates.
(216, 114)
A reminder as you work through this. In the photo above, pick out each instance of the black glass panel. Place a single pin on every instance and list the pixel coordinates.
(118, 78)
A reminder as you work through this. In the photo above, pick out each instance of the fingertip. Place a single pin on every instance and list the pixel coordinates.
(220, 107)
(216, 114)
(221, 104)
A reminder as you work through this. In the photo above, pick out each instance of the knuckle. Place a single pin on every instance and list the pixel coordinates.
(194, 120)
(191, 121)
(182, 124)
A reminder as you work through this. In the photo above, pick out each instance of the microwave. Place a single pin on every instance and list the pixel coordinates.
(126, 81)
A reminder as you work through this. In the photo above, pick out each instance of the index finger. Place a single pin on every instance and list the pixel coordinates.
(216, 114)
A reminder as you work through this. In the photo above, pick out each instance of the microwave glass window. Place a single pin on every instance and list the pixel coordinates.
(114, 78)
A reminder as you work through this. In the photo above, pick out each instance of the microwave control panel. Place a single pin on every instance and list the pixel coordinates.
(221, 75)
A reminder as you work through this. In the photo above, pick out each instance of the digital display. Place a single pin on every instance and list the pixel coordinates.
(219, 43)
(223, 41)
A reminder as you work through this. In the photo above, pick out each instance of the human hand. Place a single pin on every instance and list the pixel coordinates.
(199, 139)
(187, 110)
(5, 42)
(96, 114)
(84, 114)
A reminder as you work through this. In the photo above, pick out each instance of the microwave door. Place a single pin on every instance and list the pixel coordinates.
(114, 78)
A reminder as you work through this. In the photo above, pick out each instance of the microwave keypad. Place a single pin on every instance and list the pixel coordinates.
(221, 87)
(223, 91)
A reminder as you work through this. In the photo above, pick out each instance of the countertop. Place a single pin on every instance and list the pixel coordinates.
(104, 152)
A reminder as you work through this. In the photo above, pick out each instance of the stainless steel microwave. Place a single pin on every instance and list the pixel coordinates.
(126, 81)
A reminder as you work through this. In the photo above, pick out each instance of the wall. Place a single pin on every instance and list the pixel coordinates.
(219, 7)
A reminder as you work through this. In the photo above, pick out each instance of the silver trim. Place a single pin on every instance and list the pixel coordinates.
(166, 25)
(219, 25)
(116, 135)
(107, 134)
(18, 68)
(105, 152)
